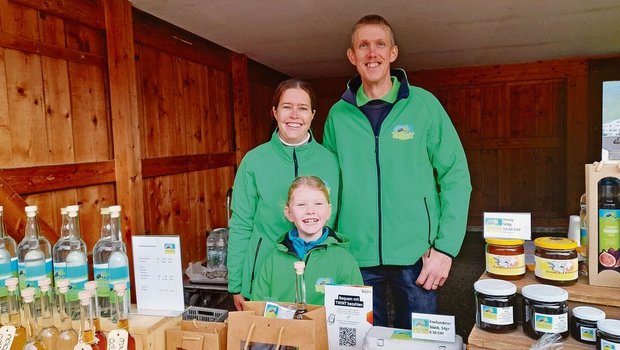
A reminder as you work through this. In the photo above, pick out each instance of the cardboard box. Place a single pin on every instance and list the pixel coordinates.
(383, 338)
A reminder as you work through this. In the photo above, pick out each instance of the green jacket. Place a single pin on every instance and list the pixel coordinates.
(259, 196)
(328, 263)
(405, 190)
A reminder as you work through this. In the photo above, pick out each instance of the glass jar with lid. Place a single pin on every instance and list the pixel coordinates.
(556, 260)
(495, 305)
(583, 323)
(545, 310)
(505, 258)
(608, 334)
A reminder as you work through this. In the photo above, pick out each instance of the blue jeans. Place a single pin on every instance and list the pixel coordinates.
(407, 296)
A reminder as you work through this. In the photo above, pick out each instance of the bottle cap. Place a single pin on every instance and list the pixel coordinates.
(63, 211)
(114, 208)
(74, 207)
(90, 286)
(31, 210)
(84, 296)
(120, 287)
(11, 282)
(28, 294)
(299, 266)
(105, 211)
(44, 283)
(62, 283)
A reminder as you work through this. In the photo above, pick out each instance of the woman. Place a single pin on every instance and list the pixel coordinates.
(263, 178)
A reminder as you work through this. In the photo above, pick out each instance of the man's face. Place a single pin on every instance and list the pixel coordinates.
(372, 53)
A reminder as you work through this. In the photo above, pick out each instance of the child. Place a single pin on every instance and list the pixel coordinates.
(324, 251)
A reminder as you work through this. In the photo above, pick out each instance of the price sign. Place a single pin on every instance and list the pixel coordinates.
(118, 339)
(7, 333)
(82, 346)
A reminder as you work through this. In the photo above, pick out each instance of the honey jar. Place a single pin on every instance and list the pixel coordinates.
(556, 260)
(505, 258)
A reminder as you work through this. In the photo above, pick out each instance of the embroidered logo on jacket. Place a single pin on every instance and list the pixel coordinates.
(403, 132)
(319, 285)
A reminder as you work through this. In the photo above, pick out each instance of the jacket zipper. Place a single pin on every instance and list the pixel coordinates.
(379, 197)
(428, 220)
(295, 162)
(260, 240)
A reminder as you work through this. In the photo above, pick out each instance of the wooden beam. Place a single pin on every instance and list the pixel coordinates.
(45, 178)
(241, 108)
(161, 166)
(15, 217)
(85, 12)
(124, 111)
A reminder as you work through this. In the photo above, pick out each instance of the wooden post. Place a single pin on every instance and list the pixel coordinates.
(124, 110)
(241, 96)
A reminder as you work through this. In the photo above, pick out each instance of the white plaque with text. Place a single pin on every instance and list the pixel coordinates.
(508, 225)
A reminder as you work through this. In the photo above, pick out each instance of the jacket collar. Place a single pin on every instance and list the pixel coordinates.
(354, 84)
(286, 152)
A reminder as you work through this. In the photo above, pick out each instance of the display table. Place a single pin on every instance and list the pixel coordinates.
(604, 298)
(149, 332)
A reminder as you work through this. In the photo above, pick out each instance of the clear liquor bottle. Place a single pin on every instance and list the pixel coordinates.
(13, 307)
(300, 290)
(32, 328)
(34, 253)
(70, 258)
(8, 259)
(86, 322)
(122, 312)
(91, 286)
(118, 262)
(68, 337)
(49, 333)
(108, 243)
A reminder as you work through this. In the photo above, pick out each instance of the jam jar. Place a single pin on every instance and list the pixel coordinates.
(545, 310)
(583, 323)
(556, 260)
(505, 258)
(608, 334)
(495, 305)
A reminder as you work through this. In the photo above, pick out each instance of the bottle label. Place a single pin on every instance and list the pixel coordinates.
(30, 273)
(609, 345)
(550, 323)
(100, 272)
(118, 274)
(587, 334)
(496, 315)
(556, 270)
(60, 270)
(7, 333)
(506, 265)
(7, 270)
(77, 275)
(583, 237)
(609, 229)
(118, 339)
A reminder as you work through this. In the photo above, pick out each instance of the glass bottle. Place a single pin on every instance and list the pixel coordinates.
(122, 312)
(118, 263)
(34, 253)
(300, 290)
(108, 243)
(608, 223)
(91, 286)
(13, 308)
(8, 259)
(86, 321)
(49, 332)
(32, 330)
(68, 337)
(70, 257)
(583, 225)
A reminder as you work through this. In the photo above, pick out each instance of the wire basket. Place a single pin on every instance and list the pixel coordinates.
(205, 314)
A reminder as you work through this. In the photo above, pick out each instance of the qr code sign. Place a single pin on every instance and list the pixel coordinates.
(347, 336)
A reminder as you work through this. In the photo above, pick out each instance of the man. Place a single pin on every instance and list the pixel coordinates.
(405, 181)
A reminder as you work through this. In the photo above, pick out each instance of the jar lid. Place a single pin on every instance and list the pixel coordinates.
(499, 241)
(589, 313)
(609, 326)
(495, 287)
(544, 293)
(555, 243)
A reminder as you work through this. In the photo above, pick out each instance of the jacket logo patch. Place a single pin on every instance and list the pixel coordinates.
(403, 132)
(319, 285)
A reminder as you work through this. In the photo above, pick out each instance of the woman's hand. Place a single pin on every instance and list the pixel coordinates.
(238, 299)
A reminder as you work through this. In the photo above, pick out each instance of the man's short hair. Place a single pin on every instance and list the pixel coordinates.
(372, 20)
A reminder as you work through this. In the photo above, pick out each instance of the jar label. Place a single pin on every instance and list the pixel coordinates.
(496, 315)
(550, 323)
(609, 345)
(507, 265)
(587, 333)
(556, 270)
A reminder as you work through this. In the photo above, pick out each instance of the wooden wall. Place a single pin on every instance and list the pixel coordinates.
(101, 104)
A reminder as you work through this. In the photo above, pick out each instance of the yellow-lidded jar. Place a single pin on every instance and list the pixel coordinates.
(505, 258)
(556, 260)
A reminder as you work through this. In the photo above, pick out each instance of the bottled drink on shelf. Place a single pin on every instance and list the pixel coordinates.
(68, 337)
(70, 257)
(608, 223)
(34, 253)
(109, 243)
(49, 333)
(13, 308)
(86, 322)
(300, 290)
(32, 329)
(91, 286)
(8, 258)
(121, 307)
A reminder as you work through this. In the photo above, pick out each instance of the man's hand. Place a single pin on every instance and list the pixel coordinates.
(435, 269)
(238, 299)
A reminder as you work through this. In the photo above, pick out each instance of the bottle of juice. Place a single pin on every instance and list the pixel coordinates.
(608, 223)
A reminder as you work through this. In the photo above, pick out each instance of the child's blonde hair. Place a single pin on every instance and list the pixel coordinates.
(314, 182)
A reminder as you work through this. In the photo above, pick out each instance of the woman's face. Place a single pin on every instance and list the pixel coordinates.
(294, 114)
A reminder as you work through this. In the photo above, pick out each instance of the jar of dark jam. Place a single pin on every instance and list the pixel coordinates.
(495, 305)
(545, 310)
(583, 323)
(556, 260)
(505, 258)
(608, 334)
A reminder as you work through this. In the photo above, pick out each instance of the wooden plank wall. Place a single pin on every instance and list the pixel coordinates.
(524, 128)
(58, 122)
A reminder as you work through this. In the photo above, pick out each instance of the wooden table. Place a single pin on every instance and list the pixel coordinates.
(604, 298)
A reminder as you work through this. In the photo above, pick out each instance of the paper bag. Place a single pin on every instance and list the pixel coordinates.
(197, 335)
(251, 328)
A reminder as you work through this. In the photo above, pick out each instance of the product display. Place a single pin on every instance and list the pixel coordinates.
(8, 258)
(583, 323)
(68, 337)
(545, 310)
(495, 305)
(608, 335)
(505, 258)
(556, 261)
(34, 253)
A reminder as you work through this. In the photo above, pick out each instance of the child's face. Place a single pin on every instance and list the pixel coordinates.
(308, 210)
